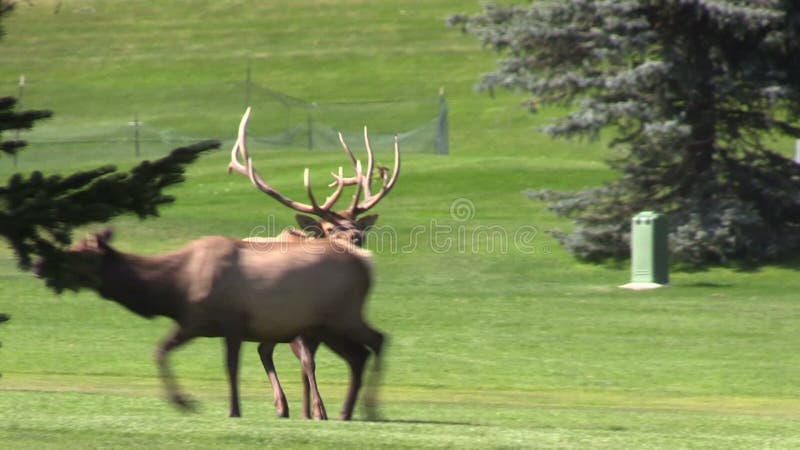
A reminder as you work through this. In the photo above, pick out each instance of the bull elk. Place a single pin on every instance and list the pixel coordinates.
(342, 226)
(221, 287)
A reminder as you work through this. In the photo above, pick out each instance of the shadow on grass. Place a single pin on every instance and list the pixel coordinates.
(424, 422)
(707, 284)
(789, 263)
(792, 263)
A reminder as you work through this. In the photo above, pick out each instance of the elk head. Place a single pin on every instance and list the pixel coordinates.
(343, 224)
(77, 267)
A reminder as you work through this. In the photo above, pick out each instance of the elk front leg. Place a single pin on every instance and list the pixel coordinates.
(305, 348)
(265, 350)
(174, 340)
(233, 344)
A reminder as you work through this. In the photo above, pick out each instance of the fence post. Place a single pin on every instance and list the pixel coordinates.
(247, 82)
(442, 126)
(136, 134)
(310, 132)
(19, 105)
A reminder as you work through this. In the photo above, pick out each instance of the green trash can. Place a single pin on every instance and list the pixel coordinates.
(649, 251)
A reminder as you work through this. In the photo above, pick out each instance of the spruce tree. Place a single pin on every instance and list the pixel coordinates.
(694, 92)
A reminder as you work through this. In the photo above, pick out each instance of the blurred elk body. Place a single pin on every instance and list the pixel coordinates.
(219, 287)
(343, 226)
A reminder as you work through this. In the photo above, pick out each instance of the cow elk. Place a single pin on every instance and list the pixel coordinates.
(221, 287)
(343, 226)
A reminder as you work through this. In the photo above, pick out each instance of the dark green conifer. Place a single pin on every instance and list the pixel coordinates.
(694, 93)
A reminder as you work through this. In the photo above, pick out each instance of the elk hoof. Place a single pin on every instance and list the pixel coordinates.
(184, 403)
(319, 413)
(372, 412)
(281, 407)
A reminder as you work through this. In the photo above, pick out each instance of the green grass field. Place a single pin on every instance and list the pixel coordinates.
(499, 339)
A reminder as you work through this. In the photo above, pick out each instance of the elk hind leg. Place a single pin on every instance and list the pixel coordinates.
(374, 340)
(305, 347)
(356, 356)
(265, 350)
(360, 333)
(375, 377)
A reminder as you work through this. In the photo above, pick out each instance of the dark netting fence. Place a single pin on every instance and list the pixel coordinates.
(167, 118)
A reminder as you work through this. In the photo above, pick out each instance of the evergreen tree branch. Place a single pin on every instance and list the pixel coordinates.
(39, 213)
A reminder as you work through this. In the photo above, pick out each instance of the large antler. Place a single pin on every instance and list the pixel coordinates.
(363, 182)
(243, 163)
(245, 167)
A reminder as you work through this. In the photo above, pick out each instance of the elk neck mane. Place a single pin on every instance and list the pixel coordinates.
(294, 237)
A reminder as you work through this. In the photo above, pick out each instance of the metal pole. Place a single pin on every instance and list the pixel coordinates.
(19, 105)
(310, 132)
(247, 82)
(21, 90)
(443, 127)
(136, 134)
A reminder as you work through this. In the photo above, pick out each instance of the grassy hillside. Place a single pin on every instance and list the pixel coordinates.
(106, 61)
(498, 338)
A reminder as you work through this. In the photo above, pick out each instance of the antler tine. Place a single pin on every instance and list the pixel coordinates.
(353, 209)
(349, 181)
(339, 181)
(239, 145)
(373, 200)
(307, 184)
(347, 149)
(323, 210)
(240, 149)
(365, 180)
(370, 166)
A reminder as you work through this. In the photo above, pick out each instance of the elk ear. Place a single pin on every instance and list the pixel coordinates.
(367, 221)
(310, 225)
(103, 238)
